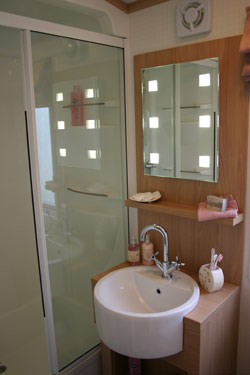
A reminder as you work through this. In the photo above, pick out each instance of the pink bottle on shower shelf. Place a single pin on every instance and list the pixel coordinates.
(76, 101)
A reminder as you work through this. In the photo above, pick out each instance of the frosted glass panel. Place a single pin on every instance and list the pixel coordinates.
(85, 224)
(44, 147)
(23, 347)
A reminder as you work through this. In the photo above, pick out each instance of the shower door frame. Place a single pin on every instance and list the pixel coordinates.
(27, 25)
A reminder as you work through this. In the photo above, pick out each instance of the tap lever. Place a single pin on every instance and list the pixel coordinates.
(178, 264)
(154, 256)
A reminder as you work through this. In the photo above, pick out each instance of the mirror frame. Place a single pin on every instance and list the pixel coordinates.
(233, 104)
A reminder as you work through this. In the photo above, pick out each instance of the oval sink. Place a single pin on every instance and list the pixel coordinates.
(139, 314)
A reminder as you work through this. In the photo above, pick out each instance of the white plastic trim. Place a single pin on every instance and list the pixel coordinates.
(36, 191)
(130, 129)
(26, 23)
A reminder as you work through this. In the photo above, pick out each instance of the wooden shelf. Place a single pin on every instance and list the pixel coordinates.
(181, 210)
(108, 103)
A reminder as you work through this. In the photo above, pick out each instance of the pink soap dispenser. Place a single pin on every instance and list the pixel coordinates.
(134, 253)
(76, 101)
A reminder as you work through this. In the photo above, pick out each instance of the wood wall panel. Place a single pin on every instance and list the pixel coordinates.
(189, 239)
(218, 353)
(210, 347)
(192, 241)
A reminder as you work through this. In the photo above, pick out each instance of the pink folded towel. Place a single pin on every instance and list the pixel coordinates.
(205, 213)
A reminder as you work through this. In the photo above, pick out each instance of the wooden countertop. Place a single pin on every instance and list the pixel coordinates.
(208, 302)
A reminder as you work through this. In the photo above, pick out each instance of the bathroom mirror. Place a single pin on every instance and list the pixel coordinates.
(180, 119)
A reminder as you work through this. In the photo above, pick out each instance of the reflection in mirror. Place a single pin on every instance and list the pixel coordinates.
(181, 120)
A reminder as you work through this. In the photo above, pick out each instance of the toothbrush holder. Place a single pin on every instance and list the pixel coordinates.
(211, 280)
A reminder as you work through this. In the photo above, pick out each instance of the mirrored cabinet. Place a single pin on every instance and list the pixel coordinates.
(180, 119)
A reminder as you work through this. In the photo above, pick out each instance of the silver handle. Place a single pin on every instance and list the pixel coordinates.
(178, 264)
(190, 171)
(154, 256)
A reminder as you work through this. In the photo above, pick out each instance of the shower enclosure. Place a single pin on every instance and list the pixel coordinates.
(67, 132)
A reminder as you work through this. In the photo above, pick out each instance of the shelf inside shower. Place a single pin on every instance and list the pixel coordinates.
(108, 103)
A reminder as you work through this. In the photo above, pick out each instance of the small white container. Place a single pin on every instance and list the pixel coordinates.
(216, 203)
(211, 280)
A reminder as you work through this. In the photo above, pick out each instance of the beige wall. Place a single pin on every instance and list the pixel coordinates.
(154, 28)
(244, 329)
(23, 344)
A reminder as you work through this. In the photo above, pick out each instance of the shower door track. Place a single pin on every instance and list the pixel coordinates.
(28, 25)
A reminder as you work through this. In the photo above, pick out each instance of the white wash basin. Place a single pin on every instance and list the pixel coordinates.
(140, 314)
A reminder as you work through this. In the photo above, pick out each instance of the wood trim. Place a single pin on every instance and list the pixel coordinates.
(136, 6)
(182, 210)
(210, 302)
(142, 4)
(120, 5)
(210, 347)
(96, 278)
(221, 333)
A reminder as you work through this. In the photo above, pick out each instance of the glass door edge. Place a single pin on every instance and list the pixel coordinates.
(124, 94)
(36, 191)
(26, 23)
(130, 139)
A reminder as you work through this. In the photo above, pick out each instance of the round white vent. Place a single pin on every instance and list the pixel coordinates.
(193, 17)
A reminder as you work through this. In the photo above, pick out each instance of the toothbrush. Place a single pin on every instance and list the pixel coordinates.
(212, 258)
(218, 259)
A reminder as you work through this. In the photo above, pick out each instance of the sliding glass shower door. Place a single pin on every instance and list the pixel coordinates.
(81, 147)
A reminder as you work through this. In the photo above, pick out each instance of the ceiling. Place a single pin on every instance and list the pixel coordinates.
(129, 6)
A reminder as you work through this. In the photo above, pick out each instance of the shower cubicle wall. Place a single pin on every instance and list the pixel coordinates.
(71, 150)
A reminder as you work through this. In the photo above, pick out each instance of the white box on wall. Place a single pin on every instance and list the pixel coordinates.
(193, 17)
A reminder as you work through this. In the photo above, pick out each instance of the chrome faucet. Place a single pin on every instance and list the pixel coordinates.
(166, 267)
